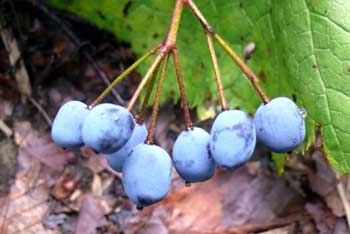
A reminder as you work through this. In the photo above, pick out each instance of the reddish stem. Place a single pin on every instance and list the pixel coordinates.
(140, 117)
(153, 121)
(241, 64)
(186, 110)
(165, 48)
(218, 80)
(148, 75)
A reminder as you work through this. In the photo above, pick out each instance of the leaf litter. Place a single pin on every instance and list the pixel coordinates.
(60, 191)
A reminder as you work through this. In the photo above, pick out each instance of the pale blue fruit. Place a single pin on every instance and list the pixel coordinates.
(107, 128)
(280, 125)
(191, 156)
(147, 174)
(232, 138)
(67, 125)
(116, 160)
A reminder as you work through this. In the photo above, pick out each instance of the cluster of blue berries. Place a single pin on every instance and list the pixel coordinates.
(111, 129)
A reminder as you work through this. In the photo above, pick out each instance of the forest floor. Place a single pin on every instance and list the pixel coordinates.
(48, 58)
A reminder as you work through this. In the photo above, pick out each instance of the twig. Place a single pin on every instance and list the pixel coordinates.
(343, 198)
(76, 41)
(257, 228)
(5, 129)
(16, 61)
(41, 111)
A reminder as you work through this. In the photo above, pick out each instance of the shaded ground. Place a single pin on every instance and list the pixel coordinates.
(45, 189)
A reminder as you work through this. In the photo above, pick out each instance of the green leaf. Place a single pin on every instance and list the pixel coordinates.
(279, 160)
(303, 50)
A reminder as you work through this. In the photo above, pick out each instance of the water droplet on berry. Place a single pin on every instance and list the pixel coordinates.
(188, 184)
(303, 112)
(116, 118)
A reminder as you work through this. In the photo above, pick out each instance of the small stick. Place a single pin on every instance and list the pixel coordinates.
(148, 75)
(41, 111)
(5, 129)
(153, 121)
(122, 76)
(76, 41)
(188, 121)
(343, 198)
(241, 64)
(214, 60)
(16, 60)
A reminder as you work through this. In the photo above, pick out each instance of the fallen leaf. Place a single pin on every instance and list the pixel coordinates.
(49, 153)
(228, 201)
(322, 180)
(323, 217)
(64, 186)
(91, 216)
(8, 158)
(24, 208)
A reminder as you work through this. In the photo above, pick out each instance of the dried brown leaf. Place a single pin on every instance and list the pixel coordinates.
(24, 208)
(91, 216)
(228, 201)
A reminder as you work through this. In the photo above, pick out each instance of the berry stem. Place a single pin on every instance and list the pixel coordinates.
(148, 75)
(171, 36)
(214, 60)
(188, 121)
(153, 121)
(241, 64)
(140, 117)
(244, 68)
(199, 16)
(123, 75)
(166, 46)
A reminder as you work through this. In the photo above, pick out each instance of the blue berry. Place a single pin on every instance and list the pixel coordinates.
(66, 127)
(191, 156)
(280, 125)
(116, 160)
(147, 174)
(232, 138)
(107, 128)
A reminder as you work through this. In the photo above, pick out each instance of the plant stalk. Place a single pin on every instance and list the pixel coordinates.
(165, 48)
(170, 39)
(123, 75)
(218, 79)
(188, 121)
(244, 68)
(241, 64)
(153, 121)
(140, 117)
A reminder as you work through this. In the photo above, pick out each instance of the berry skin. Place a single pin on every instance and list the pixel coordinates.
(67, 125)
(107, 128)
(116, 160)
(191, 156)
(147, 174)
(232, 138)
(279, 125)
